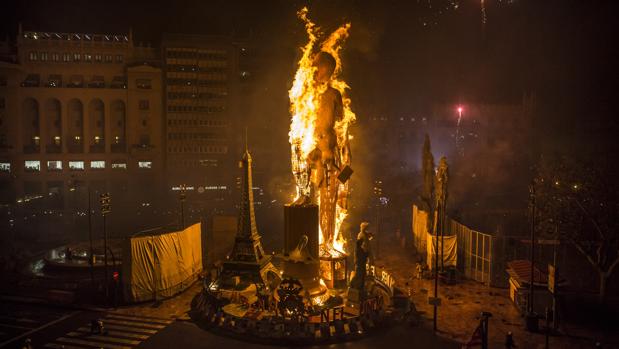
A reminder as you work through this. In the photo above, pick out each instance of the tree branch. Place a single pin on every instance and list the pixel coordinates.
(584, 253)
(595, 224)
(609, 272)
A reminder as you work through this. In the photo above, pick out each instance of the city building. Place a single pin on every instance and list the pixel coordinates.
(204, 112)
(79, 111)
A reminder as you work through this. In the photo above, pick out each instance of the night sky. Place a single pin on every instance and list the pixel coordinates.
(402, 56)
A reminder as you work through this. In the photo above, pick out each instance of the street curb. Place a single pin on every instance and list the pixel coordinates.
(42, 301)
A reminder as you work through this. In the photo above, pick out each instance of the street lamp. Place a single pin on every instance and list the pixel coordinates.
(91, 256)
(531, 316)
(106, 208)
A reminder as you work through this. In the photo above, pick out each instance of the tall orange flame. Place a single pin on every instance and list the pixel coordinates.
(304, 103)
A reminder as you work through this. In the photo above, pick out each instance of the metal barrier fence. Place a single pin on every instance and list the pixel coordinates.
(475, 257)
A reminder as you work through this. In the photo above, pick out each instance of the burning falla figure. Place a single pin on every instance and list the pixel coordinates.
(319, 140)
(317, 178)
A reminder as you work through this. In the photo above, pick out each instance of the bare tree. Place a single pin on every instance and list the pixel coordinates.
(577, 202)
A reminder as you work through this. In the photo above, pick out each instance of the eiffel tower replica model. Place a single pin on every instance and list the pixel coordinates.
(247, 263)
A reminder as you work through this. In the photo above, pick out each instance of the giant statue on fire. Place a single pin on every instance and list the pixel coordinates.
(317, 181)
(319, 136)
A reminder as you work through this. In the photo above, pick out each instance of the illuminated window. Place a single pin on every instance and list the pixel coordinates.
(5, 167)
(66, 57)
(119, 165)
(76, 165)
(77, 57)
(119, 58)
(54, 165)
(98, 58)
(32, 165)
(87, 57)
(32, 56)
(55, 56)
(108, 59)
(145, 164)
(43, 56)
(97, 165)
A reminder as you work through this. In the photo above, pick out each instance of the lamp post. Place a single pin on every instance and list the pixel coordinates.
(106, 208)
(91, 261)
(182, 196)
(530, 313)
(91, 256)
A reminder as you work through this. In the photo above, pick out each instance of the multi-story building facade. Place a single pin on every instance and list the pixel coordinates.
(76, 111)
(203, 102)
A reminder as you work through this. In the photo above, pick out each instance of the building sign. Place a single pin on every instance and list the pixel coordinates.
(552, 278)
(381, 275)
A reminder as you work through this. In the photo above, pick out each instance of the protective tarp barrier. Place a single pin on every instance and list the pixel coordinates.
(160, 266)
(449, 252)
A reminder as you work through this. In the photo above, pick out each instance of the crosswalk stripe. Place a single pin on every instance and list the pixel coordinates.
(144, 320)
(104, 338)
(138, 316)
(117, 333)
(135, 324)
(61, 346)
(90, 344)
(130, 329)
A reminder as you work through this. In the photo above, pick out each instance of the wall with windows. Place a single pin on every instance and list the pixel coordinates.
(199, 78)
(70, 114)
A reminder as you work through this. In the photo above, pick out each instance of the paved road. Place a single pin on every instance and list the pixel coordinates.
(188, 335)
(54, 328)
(19, 321)
(57, 328)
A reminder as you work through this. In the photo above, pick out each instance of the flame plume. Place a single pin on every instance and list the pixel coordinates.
(304, 103)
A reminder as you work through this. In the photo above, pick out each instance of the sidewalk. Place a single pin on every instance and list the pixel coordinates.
(458, 316)
(175, 307)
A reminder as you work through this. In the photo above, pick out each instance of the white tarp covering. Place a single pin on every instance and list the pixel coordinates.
(449, 252)
(160, 266)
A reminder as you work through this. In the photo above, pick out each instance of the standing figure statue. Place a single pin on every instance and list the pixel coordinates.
(363, 254)
(330, 154)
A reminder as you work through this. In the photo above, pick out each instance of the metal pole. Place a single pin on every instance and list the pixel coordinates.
(442, 226)
(105, 259)
(91, 260)
(547, 328)
(378, 230)
(105, 209)
(435, 239)
(531, 281)
(181, 198)
(182, 215)
(555, 314)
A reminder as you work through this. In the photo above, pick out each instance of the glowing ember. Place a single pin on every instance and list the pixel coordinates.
(319, 131)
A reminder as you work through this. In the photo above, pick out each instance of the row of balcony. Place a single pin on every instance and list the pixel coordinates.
(74, 148)
(76, 81)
